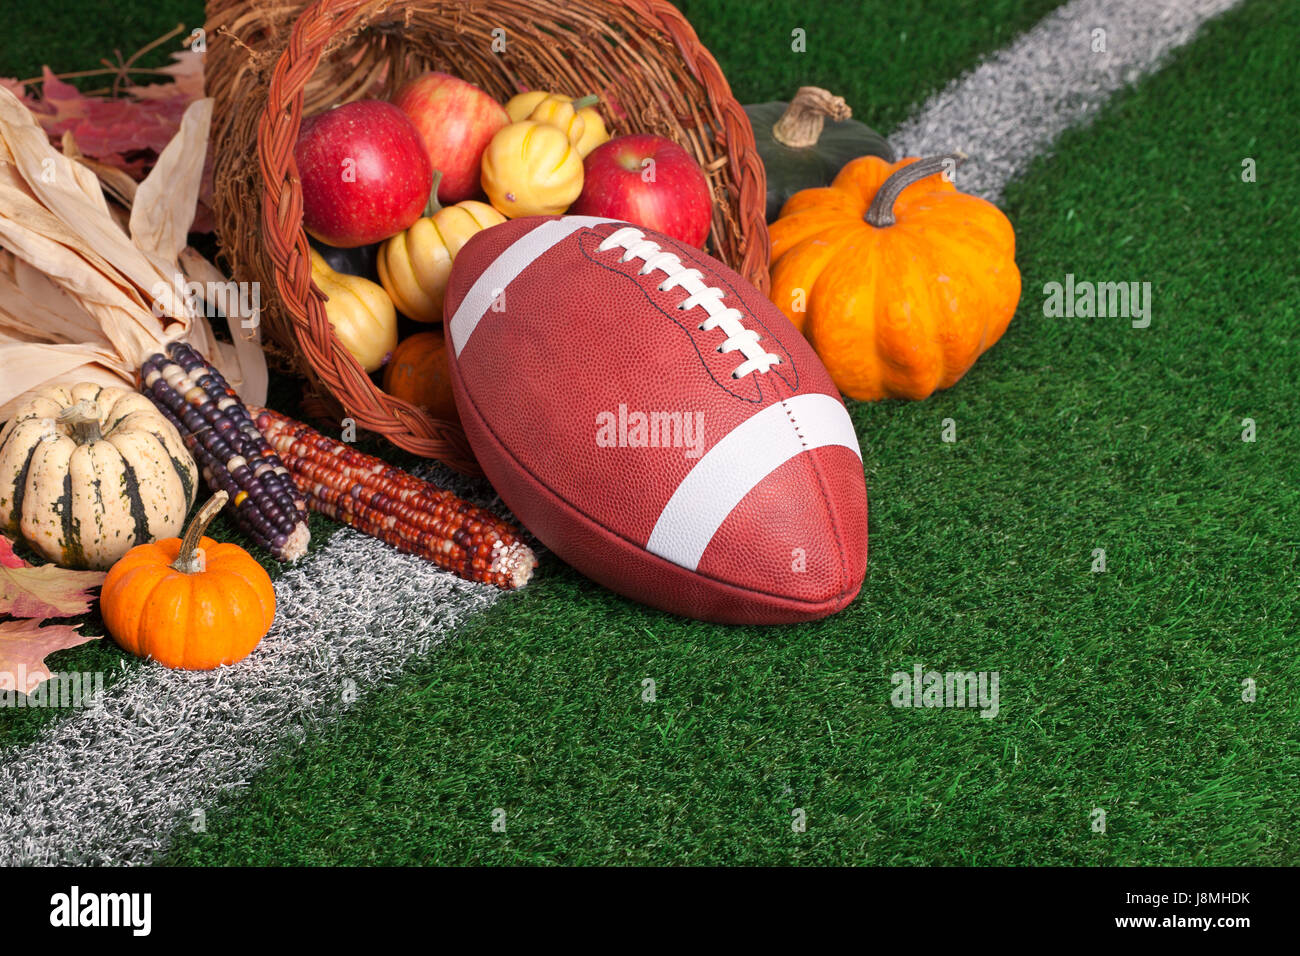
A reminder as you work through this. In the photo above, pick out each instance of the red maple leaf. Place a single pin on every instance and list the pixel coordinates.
(7, 557)
(24, 646)
(126, 132)
(46, 591)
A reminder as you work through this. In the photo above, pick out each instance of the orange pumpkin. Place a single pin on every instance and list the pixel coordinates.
(188, 602)
(418, 373)
(899, 281)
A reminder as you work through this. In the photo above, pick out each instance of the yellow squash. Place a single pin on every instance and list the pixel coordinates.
(360, 311)
(415, 264)
(531, 169)
(578, 118)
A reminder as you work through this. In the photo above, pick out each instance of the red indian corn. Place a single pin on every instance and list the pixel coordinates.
(412, 515)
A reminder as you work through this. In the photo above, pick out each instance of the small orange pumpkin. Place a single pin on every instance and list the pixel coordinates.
(189, 602)
(418, 373)
(899, 281)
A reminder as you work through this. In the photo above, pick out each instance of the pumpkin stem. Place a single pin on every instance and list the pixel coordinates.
(433, 206)
(190, 559)
(83, 419)
(881, 211)
(801, 124)
(582, 102)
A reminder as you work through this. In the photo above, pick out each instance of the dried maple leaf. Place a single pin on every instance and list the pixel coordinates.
(7, 557)
(126, 132)
(23, 649)
(110, 130)
(47, 591)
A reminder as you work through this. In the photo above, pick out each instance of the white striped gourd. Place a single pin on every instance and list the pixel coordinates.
(87, 472)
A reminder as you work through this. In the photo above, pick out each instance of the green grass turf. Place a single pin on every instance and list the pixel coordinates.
(76, 35)
(883, 58)
(1120, 691)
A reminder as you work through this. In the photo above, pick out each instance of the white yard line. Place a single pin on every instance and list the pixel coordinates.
(1009, 109)
(110, 787)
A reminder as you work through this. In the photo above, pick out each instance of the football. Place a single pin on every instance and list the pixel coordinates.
(655, 421)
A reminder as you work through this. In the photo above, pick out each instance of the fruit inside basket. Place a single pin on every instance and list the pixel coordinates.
(268, 68)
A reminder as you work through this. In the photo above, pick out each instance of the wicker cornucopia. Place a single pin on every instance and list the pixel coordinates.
(269, 64)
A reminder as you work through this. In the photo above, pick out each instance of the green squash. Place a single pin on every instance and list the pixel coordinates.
(805, 142)
(360, 261)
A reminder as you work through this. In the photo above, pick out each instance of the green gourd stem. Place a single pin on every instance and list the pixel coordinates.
(881, 211)
(591, 99)
(83, 417)
(800, 126)
(190, 558)
(433, 205)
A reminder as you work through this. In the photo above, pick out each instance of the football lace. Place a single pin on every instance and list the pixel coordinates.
(739, 339)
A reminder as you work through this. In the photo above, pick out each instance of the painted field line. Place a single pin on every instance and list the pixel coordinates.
(1010, 108)
(111, 787)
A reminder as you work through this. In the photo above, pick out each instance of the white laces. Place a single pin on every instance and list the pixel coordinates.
(637, 246)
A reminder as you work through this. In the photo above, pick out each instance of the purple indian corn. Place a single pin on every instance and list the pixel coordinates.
(412, 515)
(233, 455)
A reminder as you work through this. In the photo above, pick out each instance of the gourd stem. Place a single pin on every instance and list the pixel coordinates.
(801, 124)
(190, 558)
(881, 211)
(83, 418)
(582, 102)
(433, 206)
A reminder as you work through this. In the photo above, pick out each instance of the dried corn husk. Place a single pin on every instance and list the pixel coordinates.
(82, 298)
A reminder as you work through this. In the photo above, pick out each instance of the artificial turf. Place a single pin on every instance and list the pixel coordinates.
(883, 58)
(1120, 691)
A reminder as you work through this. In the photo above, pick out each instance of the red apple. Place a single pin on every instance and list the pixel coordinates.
(456, 120)
(364, 173)
(649, 181)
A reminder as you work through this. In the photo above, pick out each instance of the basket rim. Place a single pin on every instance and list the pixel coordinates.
(285, 241)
